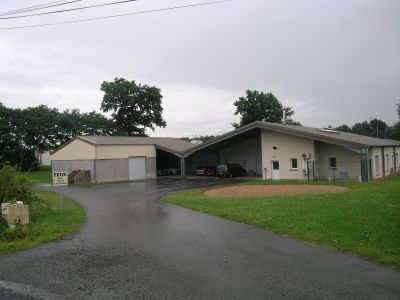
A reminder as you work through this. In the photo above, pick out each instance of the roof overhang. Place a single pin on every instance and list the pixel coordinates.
(355, 147)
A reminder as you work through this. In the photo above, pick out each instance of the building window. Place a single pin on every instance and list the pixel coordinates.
(293, 163)
(332, 162)
(377, 167)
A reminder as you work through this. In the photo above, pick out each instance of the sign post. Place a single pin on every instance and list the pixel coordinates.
(60, 178)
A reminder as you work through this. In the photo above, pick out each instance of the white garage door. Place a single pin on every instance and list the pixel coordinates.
(137, 167)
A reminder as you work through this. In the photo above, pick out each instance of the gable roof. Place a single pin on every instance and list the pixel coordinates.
(173, 145)
(344, 139)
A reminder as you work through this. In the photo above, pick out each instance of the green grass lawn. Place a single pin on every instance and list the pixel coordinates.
(364, 220)
(47, 224)
(42, 175)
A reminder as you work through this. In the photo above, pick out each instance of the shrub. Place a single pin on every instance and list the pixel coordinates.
(14, 187)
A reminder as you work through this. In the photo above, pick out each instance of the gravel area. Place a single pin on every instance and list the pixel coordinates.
(273, 190)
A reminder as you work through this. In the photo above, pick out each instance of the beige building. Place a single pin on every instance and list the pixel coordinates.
(118, 158)
(278, 151)
(267, 150)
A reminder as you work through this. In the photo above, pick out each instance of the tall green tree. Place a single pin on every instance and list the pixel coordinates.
(343, 128)
(258, 106)
(26, 132)
(134, 107)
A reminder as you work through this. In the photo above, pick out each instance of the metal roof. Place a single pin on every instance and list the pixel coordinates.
(183, 148)
(173, 145)
(344, 139)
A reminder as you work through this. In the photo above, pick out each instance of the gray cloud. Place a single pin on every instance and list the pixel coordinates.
(334, 62)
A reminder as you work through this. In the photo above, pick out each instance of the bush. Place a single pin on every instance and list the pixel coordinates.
(14, 187)
(8, 234)
(3, 228)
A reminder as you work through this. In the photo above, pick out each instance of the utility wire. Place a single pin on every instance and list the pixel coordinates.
(37, 7)
(69, 9)
(116, 16)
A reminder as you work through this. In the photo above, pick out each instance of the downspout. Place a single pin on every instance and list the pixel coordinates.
(394, 159)
(364, 165)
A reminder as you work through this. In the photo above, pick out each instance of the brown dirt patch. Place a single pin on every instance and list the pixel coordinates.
(273, 190)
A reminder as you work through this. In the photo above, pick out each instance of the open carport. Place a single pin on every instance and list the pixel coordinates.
(243, 148)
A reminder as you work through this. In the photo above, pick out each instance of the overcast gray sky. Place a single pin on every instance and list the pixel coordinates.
(334, 62)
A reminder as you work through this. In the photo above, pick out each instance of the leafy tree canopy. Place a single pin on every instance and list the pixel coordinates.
(258, 106)
(372, 128)
(26, 132)
(202, 138)
(134, 107)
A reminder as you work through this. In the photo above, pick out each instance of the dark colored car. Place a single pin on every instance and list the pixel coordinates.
(230, 170)
(206, 171)
(211, 171)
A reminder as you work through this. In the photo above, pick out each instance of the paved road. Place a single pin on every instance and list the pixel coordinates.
(132, 246)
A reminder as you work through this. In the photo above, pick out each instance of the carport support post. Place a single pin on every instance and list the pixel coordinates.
(183, 169)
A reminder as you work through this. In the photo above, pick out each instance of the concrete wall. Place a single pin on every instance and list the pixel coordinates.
(76, 150)
(118, 169)
(151, 167)
(124, 151)
(71, 165)
(111, 169)
(348, 163)
(287, 147)
(244, 154)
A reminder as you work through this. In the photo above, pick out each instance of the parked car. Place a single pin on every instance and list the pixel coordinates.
(200, 170)
(173, 171)
(230, 170)
(206, 171)
(211, 171)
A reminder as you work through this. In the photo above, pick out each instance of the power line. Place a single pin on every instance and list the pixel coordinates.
(116, 16)
(69, 9)
(37, 7)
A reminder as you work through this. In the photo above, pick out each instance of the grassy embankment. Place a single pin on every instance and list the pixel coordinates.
(364, 220)
(47, 224)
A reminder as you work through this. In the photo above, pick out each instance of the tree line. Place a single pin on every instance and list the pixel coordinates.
(134, 108)
(26, 132)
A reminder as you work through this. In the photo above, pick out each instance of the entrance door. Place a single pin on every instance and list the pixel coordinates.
(137, 167)
(275, 170)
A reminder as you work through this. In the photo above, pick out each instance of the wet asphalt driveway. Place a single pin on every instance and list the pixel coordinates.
(133, 246)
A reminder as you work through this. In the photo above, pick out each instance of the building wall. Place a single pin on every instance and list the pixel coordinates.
(45, 158)
(124, 151)
(287, 147)
(348, 163)
(71, 165)
(388, 158)
(76, 150)
(244, 153)
(111, 169)
(151, 167)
